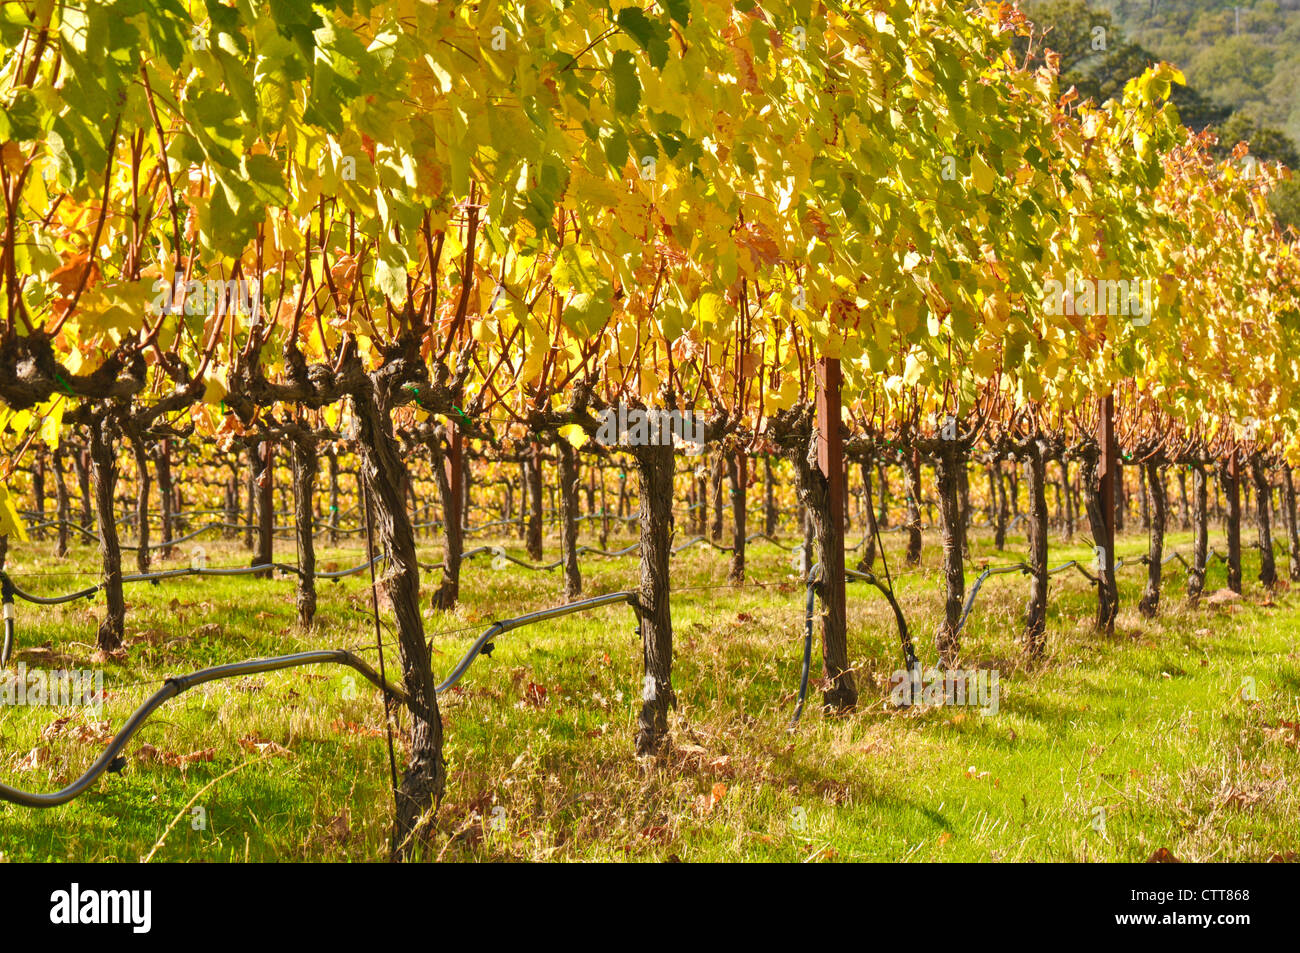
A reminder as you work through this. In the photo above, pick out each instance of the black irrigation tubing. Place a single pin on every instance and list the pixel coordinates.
(1025, 568)
(9, 589)
(814, 577)
(1021, 567)
(483, 645)
(500, 552)
(974, 590)
(905, 640)
(112, 761)
(323, 524)
(70, 524)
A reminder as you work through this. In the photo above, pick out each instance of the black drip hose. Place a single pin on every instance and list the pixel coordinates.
(110, 759)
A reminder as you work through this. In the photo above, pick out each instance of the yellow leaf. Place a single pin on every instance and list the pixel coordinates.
(574, 434)
(214, 388)
(10, 522)
(981, 175)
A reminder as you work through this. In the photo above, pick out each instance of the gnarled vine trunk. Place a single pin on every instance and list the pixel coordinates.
(38, 490)
(333, 458)
(64, 510)
(141, 503)
(447, 474)
(655, 483)
(604, 511)
(103, 473)
(383, 477)
(1232, 490)
(1157, 510)
(912, 487)
(82, 463)
(1036, 610)
(949, 459)
(534, 474)
(166, 495)
(1292, 525)
(1263, 517)
(882, 478)
(571, 585)
(841, 693)
(264, 505)
(869, 541)
(1107, 590)
(1184, 510)
(1200, 534)
(1003, 512)
(738, 476)
(305, 467)
(250, 485)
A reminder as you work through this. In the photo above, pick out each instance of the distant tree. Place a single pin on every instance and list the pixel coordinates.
(1097, 59)
(1266, 143)
(1269, 145)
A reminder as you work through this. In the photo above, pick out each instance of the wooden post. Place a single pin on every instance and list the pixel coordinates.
(455, 474)
(830, 450)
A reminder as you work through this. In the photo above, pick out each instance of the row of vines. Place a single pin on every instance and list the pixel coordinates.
(436, 247)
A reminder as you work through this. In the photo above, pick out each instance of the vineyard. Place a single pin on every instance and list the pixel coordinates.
(677, 431)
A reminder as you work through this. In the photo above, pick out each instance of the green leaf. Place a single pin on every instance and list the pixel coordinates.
(679, 10)
(588, 312)
(627, 85)
(650, 35)
(390, 269)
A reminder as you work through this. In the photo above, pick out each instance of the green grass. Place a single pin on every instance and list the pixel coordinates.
(1150, 726)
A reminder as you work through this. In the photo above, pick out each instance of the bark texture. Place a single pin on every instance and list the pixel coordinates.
(571, 583)
(949, 459)
(1036, 610)
(655, 482)
(383, 477)
(103, 474)
(305, 467)
(1157, 509)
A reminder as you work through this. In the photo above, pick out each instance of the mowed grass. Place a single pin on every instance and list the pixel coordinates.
(1106, 750)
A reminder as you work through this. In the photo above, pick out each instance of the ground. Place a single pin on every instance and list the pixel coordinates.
(1181, 733)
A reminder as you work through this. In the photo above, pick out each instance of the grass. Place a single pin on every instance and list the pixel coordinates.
(1148, 732)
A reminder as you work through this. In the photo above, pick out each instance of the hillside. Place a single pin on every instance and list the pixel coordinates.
(1243, 54)
(1241, 61)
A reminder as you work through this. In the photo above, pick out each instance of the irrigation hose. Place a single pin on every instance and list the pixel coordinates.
(7, 647)
(483, 644)
(9, 589)
(110, 760)
(813, 576)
